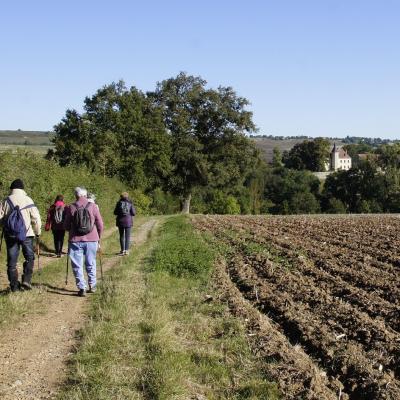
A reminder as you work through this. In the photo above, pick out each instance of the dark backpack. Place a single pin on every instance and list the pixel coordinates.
(58, 215)
(82, 221)
(14, 225)
(124, 208)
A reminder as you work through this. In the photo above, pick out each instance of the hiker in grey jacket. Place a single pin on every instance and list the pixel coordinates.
(33, 223)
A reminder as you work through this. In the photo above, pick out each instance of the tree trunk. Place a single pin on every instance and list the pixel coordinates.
(186, 204)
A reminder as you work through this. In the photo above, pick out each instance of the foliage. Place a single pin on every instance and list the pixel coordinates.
(363, 189)
(207, 127)
(309, 155)
(389, 156)
(335, 206)
(277, 160)
(220, 203)
(290, 191)
(120, 133)
(45, 179)
(353, 150)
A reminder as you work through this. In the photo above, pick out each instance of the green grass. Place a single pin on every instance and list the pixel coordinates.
(158, 330)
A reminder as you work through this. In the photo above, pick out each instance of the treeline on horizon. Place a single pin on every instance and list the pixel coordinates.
(346, 140)
(187, 147)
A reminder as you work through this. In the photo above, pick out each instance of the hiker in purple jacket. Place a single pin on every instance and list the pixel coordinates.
(124, 211)
(83, 247)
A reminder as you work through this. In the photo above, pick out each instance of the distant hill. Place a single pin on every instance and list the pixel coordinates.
(37, 138)
(266, 145)
(36, 141)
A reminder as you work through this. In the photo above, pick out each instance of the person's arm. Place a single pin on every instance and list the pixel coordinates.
(133, 210)
(36, 221)
(98, 221)
(3, 210)
(116, 208)
(48, 220)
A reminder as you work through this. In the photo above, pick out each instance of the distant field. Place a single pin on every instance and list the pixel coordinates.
(267, 145)
(36, 141)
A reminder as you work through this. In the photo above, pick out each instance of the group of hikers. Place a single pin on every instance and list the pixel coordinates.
(21, 222)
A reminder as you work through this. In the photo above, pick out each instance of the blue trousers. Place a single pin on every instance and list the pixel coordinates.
(83, 254)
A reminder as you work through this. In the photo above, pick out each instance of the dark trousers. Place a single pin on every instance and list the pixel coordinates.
(58, 237)
(124, 238)
(13, 248)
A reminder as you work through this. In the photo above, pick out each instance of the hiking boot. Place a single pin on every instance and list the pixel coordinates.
(15, 287)
(26, 286)
(59, 255)
(81, 293)
(91, 289)
(121, 253)
(127, 252)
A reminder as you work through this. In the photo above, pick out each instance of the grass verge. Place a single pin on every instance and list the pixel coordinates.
(158, 330)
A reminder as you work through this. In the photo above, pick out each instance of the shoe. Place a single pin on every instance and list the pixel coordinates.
(15, 287)
(121, 253)
(92, 289)
(81, 293)
(26, 286)
(59, 255)
(127, 252)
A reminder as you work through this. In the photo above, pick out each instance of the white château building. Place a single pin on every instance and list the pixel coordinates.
(339, 159)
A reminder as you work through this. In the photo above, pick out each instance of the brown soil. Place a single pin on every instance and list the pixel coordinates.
(326, 284)
(33, 354)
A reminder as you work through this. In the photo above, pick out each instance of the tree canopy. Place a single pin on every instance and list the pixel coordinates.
(207, 128)
(179, 137)
(311, 155)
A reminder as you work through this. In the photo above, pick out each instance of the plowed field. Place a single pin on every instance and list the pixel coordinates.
(320, 297)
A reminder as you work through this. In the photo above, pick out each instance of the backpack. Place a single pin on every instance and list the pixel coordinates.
(58, 215)
(82, 221)
(14, 225)
(124, 208)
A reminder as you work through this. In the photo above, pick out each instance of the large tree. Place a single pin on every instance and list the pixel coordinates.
(207, 128)
(121, 133)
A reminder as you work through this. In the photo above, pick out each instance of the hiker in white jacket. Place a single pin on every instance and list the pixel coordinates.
(31, 218)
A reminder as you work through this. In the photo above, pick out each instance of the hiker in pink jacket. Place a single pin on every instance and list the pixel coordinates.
(85, 225)
(55, 222)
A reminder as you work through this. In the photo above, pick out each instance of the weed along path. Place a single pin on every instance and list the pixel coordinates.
(34, 352)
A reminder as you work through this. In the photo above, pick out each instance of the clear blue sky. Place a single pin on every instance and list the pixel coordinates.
(320, 67)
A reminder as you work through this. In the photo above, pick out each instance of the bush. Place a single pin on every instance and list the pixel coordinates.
(45, 179)
(336, 206)
(223, 204)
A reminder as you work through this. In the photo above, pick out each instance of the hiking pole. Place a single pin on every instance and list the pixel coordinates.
(38, 253)
(1, 240)
(66, 275)
(101, 261)
(38, 259)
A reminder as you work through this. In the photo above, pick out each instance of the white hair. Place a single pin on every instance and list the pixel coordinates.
(80, 192)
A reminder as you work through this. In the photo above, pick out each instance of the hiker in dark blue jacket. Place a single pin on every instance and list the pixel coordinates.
(124, 211)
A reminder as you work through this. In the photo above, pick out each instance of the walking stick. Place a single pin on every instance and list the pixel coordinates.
(38, 260)
(101, 261)
(1, 240)
(66, 275)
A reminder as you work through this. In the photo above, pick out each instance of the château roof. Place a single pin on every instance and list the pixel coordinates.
(342, 152)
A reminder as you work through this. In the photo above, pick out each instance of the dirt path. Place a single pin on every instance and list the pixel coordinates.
(33, 355)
